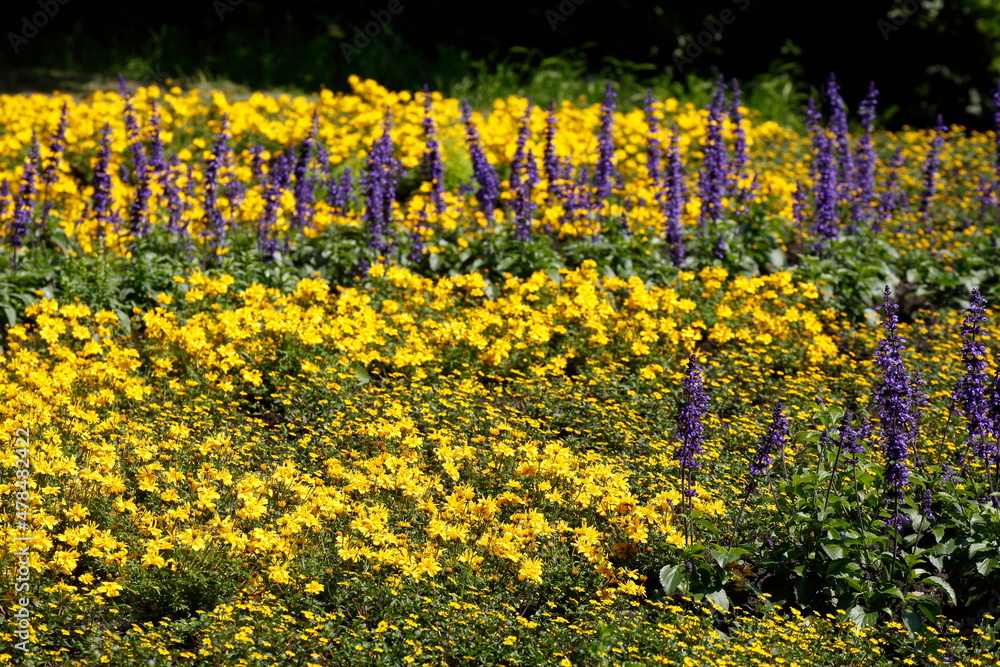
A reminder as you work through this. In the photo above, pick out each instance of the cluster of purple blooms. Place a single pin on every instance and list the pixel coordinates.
(897, 399)
(841, 197)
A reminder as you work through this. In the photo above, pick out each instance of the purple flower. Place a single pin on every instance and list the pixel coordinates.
(926, 505)
(825, 189)
(257, 161)
(488, 193)
(896, 399)
(775, 440)
(996, 126)
(713, 176)
(690, 430)
(864, 175)
(850, 439)
(741, 155)
(175, 205)
(676, 197)
(56, 148)
(417, 238)
(653, 149)
(550, 159)
(893, 196)
(432, 166)
(604, 173)
(303, 191)
(838, 125)
(380, 179)
(931, 167)
(103, 201)
(970, 393)
(156, 160)
(215, 223)
(799, 206)
(340, 193)
(520, 180)
(277, 182)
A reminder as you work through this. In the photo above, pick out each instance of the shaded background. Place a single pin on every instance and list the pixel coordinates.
(926, 56)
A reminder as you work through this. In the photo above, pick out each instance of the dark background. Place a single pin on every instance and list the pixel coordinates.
(942, 58)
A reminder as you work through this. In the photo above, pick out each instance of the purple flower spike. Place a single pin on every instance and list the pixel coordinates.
(604, 174)
(676, 197)
(432, 166)
(690, 430)
(713, 177)
(897, 399)
(970, 394)
(775, 440)
(380, 190)
(931, 168)
(488, 193)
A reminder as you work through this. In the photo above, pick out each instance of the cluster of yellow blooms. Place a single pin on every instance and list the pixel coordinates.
(466, 437)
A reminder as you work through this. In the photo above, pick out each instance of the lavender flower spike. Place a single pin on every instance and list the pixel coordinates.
(690, 430)
(970, 394)
(896, 399)
(775, 440)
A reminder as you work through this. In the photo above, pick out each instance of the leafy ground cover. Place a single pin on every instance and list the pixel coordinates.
(377, 378)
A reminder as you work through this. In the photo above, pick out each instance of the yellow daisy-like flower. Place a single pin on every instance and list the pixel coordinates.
(314, 588)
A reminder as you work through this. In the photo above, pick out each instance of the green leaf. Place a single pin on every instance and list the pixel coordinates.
(945, 586)
(912, 621)
(860, 616)
(984, 567)
(834, 551)
(719, 599)
(671, 577)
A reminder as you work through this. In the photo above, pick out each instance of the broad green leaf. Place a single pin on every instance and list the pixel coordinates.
(719, 599)
(834, 551)
(945, 586)
(671, 577)
(912, 620)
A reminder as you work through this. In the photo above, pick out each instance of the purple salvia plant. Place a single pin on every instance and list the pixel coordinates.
(690, 429)
(825, 225)
(676, 190)
(56, 148)
(550, 159)
(380, 190)
(799, 208)
(996, 130)
(654, 151)
(520, 183)
(741, 155)
(156, 159)
(103, 202)
(417, 249)
(850, 439)
(838, 125)
(488, 193)
(257, 161)
(986, 197)
(864, 175)
(604, 173)
(175, 204)
(341, 192)
(215, 222)
(970, 394)
(303, 190)
(432, 165)
(893, 197)
(713, 177)
(277, 182)
(931, 167)
(896, 400)
(24, 203)
(774, 441)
